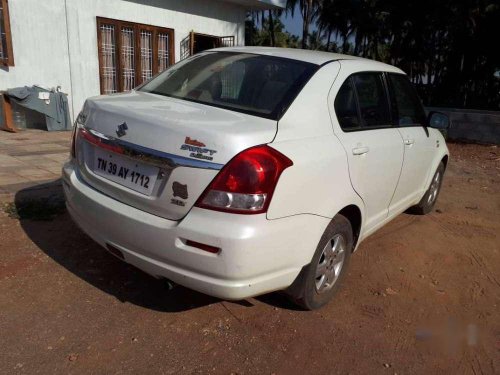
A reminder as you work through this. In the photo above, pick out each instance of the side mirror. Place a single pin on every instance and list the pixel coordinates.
(438, 120)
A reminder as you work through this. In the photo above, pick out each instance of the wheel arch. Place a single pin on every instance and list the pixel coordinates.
(354, 215)
(445, 160)
(441, 157)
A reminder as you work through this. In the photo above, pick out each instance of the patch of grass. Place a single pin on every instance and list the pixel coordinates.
(41, 209)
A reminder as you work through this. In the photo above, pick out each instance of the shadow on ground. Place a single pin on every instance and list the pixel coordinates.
(43, 217)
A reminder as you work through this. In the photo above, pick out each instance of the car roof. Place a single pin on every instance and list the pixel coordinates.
(314, 57)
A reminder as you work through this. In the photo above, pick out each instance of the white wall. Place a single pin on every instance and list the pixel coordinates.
(39, 43)
(40, 38)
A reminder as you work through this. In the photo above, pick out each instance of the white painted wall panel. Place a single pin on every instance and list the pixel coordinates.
(44, 56)
(39, 43)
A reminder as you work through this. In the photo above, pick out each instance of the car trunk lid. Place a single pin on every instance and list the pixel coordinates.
(177, 146)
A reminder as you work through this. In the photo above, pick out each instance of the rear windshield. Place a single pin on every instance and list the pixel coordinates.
(255, 84)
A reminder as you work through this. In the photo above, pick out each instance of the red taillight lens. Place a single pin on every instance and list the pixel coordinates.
(73, 142)
(246, 184)
(99, 142)
(79, 123)
(202, 246)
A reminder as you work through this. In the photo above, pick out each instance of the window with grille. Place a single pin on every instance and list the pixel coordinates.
(197, 42)
(131, 53)
(6, 54)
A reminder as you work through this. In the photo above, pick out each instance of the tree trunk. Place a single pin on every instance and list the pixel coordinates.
(357, 44)
(307, 14)
(271, 29)
(345, 44)
(318, 37)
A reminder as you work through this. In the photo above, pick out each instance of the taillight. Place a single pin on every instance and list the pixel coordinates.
(79, 123)
(73, 142)
(246, 184)
(98, 141)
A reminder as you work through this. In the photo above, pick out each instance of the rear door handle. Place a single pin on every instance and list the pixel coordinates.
(409, 142)
(360, 150)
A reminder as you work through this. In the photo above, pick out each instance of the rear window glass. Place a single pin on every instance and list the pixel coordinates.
(259, 85)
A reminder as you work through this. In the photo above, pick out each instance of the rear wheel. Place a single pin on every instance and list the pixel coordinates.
(429, 199)
(320, 280)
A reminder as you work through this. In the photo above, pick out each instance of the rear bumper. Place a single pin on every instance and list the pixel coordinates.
(257, 255)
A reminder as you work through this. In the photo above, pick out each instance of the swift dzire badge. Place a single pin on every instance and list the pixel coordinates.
(197, 149)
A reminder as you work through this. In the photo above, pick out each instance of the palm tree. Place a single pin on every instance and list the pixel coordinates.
(309, 10)
(446, 47)
(273, 14)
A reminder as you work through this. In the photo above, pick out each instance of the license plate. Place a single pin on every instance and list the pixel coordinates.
(124, 171)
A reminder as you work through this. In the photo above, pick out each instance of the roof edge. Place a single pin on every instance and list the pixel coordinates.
(259, 4)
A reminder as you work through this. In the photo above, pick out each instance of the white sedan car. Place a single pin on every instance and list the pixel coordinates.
(241, 171)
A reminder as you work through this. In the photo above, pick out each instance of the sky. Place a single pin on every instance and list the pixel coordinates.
(293, 24)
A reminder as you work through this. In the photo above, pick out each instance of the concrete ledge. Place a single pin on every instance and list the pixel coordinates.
(470, 125)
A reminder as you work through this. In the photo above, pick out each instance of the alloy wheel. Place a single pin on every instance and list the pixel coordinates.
(434, 189)
(330, 263)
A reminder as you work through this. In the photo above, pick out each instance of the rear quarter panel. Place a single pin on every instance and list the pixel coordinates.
(318, 182)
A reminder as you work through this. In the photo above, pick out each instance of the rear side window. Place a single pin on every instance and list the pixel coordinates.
(408, 108)
(256, 84)
(346, 107)
(372, 98)
(362, 103)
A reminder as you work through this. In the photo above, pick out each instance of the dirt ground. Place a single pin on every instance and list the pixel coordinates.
(422, 296)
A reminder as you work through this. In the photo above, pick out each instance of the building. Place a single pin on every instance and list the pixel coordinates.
(92, 47)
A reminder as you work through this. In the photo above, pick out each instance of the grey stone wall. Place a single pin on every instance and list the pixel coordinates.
(470, 125)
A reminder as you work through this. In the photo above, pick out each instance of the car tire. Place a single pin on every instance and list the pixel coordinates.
(430, 197)
(319, 281)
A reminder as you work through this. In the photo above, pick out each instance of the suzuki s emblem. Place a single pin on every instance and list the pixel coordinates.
(121, 129)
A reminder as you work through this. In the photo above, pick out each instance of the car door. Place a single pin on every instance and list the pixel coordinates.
(409, 116)
(373, 145)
